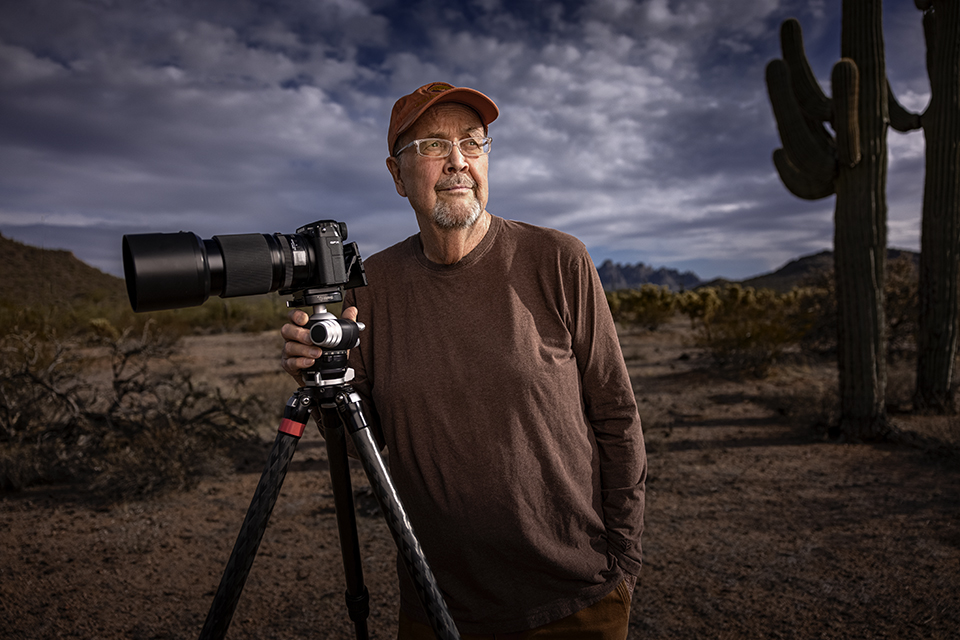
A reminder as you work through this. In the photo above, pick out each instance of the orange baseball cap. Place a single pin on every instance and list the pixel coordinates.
(408, 108)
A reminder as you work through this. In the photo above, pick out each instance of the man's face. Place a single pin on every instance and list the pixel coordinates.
(450, 192)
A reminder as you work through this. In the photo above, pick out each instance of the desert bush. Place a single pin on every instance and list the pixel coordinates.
(819, 314)
(647, 307)
(72, 320)
(135, 430)
(700, 305)
(748, 330)
(901, 306)
(219, 315)
(66, 320)
(744, 329)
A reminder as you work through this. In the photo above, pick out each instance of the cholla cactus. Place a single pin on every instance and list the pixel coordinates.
(852, 164)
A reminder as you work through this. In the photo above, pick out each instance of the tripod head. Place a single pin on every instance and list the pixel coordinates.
(335, 336)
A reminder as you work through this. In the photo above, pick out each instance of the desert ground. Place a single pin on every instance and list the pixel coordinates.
(758, 524)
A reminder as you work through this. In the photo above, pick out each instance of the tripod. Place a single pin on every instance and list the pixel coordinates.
(326, 394)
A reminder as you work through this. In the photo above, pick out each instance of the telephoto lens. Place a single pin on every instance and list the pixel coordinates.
(174, 270)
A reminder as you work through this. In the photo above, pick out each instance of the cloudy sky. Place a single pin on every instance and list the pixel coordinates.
(640, 126)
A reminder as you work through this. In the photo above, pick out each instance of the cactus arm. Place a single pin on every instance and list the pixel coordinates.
(813, 101)
(901, 119)
(845, 84)
(806, 150)
(799, 183)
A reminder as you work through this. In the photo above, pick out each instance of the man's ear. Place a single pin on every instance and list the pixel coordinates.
(394, 166)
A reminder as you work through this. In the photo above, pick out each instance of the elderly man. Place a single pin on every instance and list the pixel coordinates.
(491, 365)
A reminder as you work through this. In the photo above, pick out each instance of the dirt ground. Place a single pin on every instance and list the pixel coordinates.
(758, 526)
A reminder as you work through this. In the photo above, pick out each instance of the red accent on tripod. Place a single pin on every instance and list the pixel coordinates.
(292, 427)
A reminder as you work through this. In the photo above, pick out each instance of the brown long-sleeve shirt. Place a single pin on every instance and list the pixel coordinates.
(510, 421)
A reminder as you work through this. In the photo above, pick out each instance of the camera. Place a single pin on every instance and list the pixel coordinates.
(175, 270)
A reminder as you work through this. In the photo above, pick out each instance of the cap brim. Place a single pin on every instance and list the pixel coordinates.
(472, 98)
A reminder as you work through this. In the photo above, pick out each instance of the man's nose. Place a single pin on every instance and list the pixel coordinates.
(456, 162)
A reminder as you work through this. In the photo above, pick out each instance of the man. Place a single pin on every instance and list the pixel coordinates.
(491, 364)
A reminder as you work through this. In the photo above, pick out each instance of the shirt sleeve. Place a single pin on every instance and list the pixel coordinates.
(611, 409)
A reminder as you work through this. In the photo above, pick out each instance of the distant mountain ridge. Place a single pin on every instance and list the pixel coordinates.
(633, 276)
(618, 276)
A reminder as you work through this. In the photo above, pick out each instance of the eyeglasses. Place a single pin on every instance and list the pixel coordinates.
(441, 148)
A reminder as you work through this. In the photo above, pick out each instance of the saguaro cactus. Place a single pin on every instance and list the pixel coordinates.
(940, 229)
(852, 164)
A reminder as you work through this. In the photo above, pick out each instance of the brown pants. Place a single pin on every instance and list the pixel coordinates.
(605, 620)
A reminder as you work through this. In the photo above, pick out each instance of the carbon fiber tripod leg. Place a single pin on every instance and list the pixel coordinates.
(357, 596)
(248, 541)
(351, 412)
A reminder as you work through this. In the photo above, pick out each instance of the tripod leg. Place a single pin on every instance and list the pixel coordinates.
(357, 596)
(251, 532)
(351, 412)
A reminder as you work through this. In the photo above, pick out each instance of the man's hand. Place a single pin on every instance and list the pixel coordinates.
(298, 351)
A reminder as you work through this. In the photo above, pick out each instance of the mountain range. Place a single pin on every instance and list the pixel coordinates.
(633, 276)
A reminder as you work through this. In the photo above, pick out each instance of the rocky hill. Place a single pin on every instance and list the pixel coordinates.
(31, 275)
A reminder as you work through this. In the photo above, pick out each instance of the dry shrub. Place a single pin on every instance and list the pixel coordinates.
(743, 329)
(901, 308)
(901, 378)
(220, 315)
(143, 428)
(747, 331)
(74, 319)
(814, 402)
(648, 307)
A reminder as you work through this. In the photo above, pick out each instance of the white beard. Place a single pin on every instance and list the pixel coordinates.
(464, 216)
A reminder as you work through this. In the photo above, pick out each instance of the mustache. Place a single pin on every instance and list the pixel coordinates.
(456, 181)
